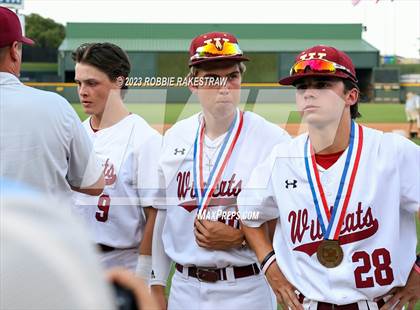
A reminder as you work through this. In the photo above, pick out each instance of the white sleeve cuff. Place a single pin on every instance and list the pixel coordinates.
(161, 263)
(144, 267)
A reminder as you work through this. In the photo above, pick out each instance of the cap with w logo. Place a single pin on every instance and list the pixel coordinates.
(321, 60)
(215, 46)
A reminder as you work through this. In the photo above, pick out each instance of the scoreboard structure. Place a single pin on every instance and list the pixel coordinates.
(13, 4)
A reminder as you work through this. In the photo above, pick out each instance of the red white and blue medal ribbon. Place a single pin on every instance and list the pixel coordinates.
(331, 223)
(204, 190)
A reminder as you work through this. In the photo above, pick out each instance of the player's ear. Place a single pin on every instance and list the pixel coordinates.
(351, 93)
(353, 96)
(16, 51)
(193, 88)
(120, 81)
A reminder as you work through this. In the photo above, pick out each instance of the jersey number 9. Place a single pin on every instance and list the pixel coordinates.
(103, 205)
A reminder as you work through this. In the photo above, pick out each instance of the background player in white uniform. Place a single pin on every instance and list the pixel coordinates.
(412, 112)
(354, 186)
(214, 269)
(121, 218)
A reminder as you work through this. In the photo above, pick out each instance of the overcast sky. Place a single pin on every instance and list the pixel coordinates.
(392, 26)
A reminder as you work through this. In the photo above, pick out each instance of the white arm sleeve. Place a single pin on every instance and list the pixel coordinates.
(144, 267)
(161, 263)
(258, 196)
(409, 170)
(147, 174)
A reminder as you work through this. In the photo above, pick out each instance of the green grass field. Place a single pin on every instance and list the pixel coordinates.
(276, 113)
(39, 66)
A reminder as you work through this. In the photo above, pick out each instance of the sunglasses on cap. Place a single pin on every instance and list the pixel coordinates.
(210, 50)
(318, 66)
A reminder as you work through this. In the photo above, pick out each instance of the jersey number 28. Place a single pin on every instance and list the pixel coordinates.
(381, 260)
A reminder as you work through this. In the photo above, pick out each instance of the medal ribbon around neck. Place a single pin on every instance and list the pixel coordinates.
(204, 191)
(330, 223)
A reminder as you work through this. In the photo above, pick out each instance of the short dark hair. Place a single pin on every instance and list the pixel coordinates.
(354, 109)
(107, 57)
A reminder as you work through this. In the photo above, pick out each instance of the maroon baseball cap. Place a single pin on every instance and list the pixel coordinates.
(342, 64)
(215, 46)
(11, 29)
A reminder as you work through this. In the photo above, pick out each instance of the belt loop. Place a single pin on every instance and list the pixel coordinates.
(230, 275)
(185, 272)
(370, 305)
(362, 305)
(310, 304)
(223, 275)
(253, 269)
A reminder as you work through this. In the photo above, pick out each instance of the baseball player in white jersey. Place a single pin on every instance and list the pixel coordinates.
(205, 162)
(121, 218)
(344, 195)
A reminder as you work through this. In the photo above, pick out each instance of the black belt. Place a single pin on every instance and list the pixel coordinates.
(218, 274)
(327, 306)
(105, 248)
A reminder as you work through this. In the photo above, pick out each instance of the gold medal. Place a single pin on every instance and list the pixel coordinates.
(329, 253)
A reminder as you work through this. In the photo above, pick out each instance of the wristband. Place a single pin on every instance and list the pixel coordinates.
(266, 258)
(268, 263)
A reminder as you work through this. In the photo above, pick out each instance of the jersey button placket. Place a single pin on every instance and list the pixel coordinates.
(326, 183)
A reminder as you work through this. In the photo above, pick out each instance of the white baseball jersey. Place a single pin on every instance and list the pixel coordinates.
(378, 234)
(255, 142)
(128, 152)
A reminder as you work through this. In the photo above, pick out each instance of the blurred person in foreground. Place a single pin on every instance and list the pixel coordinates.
(46, 261)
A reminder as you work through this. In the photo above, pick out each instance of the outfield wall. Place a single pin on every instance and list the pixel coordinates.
(251, 93)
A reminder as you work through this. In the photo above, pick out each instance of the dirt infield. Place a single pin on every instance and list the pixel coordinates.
(295, 129)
